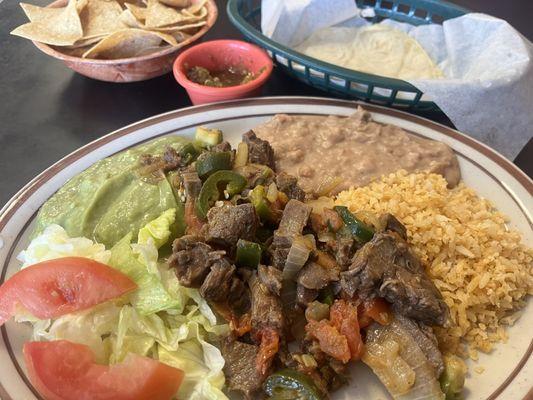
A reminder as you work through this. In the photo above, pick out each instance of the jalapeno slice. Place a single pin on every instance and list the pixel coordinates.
(227, 181)
(287, 381)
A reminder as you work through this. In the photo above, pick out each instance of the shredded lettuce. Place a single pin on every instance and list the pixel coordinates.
(151, 295)
(55, 243)
(161, 319)
(203, 362)
(158, 230)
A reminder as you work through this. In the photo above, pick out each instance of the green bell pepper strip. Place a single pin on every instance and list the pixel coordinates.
(208, 163)
(248, 254)
(359, 230)
(188, 153)
(290, 380)
(210, 192)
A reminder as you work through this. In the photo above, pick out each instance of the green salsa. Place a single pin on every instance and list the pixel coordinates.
(227, 77)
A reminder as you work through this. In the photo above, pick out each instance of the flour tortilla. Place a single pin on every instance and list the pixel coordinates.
(55, 28)
(376, 49)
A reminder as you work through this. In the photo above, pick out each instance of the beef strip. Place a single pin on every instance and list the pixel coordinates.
(172, 159)
(222, 147)
(267, 310)
(192, 259)
(344, 250)
(426, 340)
(390, 223)
(288, 184)
(239, 367)
(279, 254)
(191, 183)
(305, 296)
(229, 223)
(385, 267)
(270, 277)
(218, 283)
(293, 221)
(259, 151)
(314, 276)
(239, 297)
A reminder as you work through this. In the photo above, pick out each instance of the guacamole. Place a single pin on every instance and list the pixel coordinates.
(110, 199)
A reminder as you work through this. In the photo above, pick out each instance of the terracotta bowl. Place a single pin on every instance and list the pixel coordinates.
(217, 55)
(128, 69)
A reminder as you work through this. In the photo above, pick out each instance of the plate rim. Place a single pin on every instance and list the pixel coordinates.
(19, 199)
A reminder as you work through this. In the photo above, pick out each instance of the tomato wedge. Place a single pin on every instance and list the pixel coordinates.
(62, 370)
(56, 287)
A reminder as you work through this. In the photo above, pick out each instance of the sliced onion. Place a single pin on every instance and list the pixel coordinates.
(325, 236)
(319, 204)
(296, 259)
(328, 185)
(310, 241)
(272, 193)
(241, 157)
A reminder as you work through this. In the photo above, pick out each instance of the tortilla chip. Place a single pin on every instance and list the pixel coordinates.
(138, 12)
(36, 13)
(196, 6)
(127, 43)
(202, 13)
(176, 3)
(63, 28)
(157, 15)
(150, 50)
(85, 42)
(101, 17)
(128, 19)
(178, 28)
(180, 36)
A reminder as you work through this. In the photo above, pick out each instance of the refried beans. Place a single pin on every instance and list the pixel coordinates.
(354, 149)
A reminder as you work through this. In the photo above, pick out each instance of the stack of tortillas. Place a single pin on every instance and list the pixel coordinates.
(109, 29)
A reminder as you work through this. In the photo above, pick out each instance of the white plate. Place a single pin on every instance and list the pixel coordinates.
(508, 370)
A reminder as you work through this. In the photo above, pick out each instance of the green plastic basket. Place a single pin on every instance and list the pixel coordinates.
(246, 16)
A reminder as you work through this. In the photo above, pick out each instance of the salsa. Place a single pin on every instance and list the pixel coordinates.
(227, 77)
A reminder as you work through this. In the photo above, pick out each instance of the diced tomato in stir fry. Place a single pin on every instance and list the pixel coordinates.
(376, 309)
(331, 341)
(343, 316)
(268, 348)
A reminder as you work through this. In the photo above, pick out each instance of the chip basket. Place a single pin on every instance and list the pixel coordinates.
(343, 82)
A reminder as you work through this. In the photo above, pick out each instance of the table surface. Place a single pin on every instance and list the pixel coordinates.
(47, 110)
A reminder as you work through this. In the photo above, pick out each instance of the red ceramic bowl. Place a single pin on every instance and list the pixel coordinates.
(218, 55)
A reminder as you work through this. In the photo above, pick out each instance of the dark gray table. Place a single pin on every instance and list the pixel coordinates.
(46, 110)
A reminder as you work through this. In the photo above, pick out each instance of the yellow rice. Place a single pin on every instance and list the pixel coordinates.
(481, 268)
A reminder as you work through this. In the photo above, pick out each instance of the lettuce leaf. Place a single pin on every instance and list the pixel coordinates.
(202, 363)
(86, 327)
(54, 242)
(151, 295)
(161, 319)
(158, 230)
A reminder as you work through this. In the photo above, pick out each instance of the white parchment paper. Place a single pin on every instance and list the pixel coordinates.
(487, 91)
